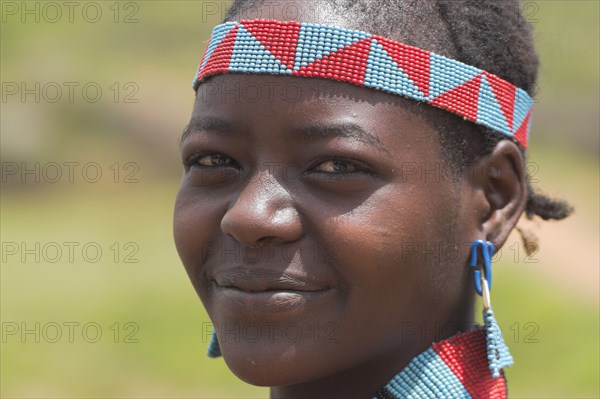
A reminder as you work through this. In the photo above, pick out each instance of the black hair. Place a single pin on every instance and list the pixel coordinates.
(490, 35)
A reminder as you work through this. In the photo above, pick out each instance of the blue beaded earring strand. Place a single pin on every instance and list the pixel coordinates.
(497, 351)
(214, 350)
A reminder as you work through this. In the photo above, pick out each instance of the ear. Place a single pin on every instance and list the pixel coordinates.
(499, 192)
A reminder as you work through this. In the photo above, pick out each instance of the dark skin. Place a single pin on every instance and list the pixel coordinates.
(343, 190)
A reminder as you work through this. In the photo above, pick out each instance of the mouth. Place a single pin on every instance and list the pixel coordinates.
(260, 280)
(264, 291)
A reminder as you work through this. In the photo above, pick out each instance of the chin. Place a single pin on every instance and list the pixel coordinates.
(271, 364)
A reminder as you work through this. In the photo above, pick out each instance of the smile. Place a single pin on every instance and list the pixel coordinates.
(264, 291)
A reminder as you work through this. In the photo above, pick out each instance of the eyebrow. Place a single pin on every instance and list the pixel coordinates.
(344, 129)
(309, 132)
(207, 123)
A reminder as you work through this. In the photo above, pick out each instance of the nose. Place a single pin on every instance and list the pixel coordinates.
(263, 212)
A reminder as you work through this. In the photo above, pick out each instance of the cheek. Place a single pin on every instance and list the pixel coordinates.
(194, 226)
(391, 252)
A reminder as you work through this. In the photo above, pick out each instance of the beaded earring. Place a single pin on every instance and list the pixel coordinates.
(214, 350)
(497, 351)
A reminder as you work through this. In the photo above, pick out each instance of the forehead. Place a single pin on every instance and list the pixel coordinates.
(281, 103)
(289, 95)
(286, 93)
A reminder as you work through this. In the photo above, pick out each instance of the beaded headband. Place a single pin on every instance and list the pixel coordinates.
(330, 52)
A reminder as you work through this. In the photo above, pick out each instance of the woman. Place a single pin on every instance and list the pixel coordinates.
(335, 213)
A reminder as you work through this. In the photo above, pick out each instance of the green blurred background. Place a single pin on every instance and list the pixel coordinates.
(154, 331)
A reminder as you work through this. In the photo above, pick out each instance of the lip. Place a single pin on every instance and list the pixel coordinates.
(265, 291)
(253, 280)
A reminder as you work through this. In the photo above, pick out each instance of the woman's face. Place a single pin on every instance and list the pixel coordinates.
(319, 226)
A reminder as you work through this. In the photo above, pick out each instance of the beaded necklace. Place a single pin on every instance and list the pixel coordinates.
(455, 368)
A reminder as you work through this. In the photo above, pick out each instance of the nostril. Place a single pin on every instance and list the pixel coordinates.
(260, 242)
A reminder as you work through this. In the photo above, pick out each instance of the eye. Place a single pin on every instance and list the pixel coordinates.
(210, 160)
(215, 160)
(338, 166)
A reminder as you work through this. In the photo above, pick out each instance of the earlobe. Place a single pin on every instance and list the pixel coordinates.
(499, 180)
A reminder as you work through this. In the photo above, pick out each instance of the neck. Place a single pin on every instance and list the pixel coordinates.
(366, 379)
(356, 383)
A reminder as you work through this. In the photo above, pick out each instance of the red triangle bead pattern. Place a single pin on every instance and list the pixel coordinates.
(359, 58)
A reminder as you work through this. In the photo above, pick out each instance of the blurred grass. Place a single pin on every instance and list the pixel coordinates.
(160, 54)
